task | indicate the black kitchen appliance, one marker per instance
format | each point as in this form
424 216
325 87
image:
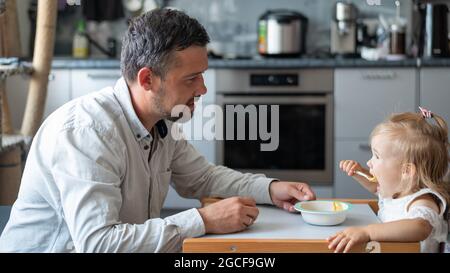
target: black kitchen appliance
295 105
433 37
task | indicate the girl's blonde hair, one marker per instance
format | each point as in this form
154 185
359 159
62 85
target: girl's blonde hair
423 144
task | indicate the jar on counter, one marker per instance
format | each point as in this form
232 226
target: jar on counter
397 39
80 46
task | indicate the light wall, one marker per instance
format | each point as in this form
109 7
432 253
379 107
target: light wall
24 24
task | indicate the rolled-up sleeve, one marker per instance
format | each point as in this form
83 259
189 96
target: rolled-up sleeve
88 175
194 177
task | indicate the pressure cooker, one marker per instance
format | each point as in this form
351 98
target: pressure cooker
282 33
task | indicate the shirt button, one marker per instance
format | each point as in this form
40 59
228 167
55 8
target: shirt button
138 136
146 147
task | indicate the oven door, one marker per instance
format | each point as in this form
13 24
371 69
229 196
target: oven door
305 128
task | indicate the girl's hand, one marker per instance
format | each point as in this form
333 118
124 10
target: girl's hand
350 167
343 241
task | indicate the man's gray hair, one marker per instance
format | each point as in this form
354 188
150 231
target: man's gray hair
153 37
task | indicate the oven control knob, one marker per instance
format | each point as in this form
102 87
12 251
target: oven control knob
272 80
290 80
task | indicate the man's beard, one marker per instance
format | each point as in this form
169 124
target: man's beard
167 114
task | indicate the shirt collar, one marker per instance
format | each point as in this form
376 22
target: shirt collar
122 93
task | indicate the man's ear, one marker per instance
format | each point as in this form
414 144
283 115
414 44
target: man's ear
409 170
145 78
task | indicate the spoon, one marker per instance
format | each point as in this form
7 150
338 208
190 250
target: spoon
370 178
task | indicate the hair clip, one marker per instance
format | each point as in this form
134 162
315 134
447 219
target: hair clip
426 113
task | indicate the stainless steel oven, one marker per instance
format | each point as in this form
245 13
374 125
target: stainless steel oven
297 110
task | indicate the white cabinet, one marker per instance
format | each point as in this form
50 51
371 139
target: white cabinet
364 98
196 129
58 93
195 134
85 81
346 186
193 131
435 91
210 82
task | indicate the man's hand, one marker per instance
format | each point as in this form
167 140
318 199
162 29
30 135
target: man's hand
285 194
229 215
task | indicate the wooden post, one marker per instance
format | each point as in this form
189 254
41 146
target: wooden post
43 54
13 45
9 47
10 174
5 123
2 29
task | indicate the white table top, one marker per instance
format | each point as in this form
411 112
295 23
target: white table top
274 223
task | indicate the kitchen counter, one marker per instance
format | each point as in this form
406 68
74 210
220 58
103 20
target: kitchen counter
69 63
308 63
260 63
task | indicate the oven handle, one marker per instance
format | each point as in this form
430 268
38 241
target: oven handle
273 100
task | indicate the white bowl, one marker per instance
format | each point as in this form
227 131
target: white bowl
323 212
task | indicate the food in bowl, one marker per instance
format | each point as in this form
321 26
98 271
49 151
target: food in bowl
323 212
337 206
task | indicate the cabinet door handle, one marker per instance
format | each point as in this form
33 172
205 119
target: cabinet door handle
103 76
365 147
51 77
389 75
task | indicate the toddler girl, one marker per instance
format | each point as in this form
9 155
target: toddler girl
409 161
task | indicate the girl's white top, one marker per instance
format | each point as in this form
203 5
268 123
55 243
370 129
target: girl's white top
398 209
